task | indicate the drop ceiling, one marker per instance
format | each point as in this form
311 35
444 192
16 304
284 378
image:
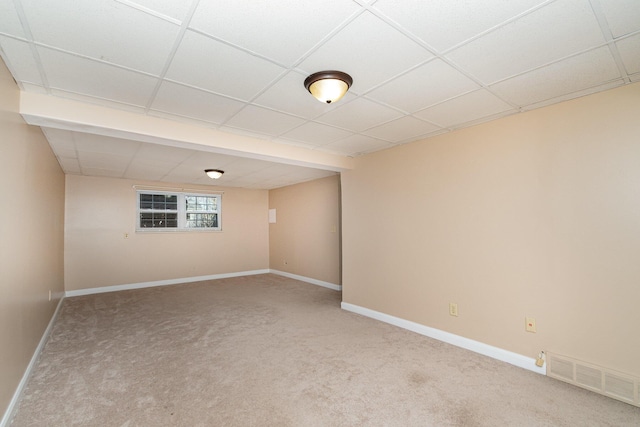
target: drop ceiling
420 68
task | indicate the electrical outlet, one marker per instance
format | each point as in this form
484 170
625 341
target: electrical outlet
453 309
126 235
530 324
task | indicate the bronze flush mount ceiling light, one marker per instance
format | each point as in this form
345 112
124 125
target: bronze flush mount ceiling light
213 173
328 86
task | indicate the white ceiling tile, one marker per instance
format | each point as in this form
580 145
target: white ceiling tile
248 133
91 143
248 176
268 173
402 129
295 143
61 142
193 103
20 61
70 166
159 172
245 132
245 166
192 169
290 96
205 180
88 99
316 134
369 51
147 172
171 8
293 27
564 77
623 16
445 23
275 181
91 78
105 30
629 49
211 160
10 23
263 120
150 154
546 35
253 182
113 173
277 169
466 108
359 114
355 145
182 119
113 162
269 184
209 64
61 137
426 85
584 92
182 174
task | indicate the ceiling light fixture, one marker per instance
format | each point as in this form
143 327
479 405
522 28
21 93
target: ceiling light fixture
213 173
328 86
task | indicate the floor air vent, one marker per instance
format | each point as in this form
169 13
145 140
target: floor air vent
595 378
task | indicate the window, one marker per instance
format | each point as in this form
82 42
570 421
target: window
158 210
162 211
202 211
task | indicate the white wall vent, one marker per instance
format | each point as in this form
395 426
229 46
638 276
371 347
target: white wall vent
595 378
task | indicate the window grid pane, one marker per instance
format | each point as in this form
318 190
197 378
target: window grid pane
178 211
159 202
146 201
158 210
202 220
158 220
201 203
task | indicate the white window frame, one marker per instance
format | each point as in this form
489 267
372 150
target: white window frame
181 212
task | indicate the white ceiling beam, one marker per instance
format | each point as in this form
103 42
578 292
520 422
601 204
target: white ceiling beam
48 111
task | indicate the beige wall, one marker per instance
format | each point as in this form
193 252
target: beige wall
100 211
305 240
537 214
31 238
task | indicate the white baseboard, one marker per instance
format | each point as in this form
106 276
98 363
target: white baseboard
8 415
142 285
308 280
466 343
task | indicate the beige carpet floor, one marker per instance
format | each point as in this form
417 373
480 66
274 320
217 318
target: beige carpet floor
270 351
